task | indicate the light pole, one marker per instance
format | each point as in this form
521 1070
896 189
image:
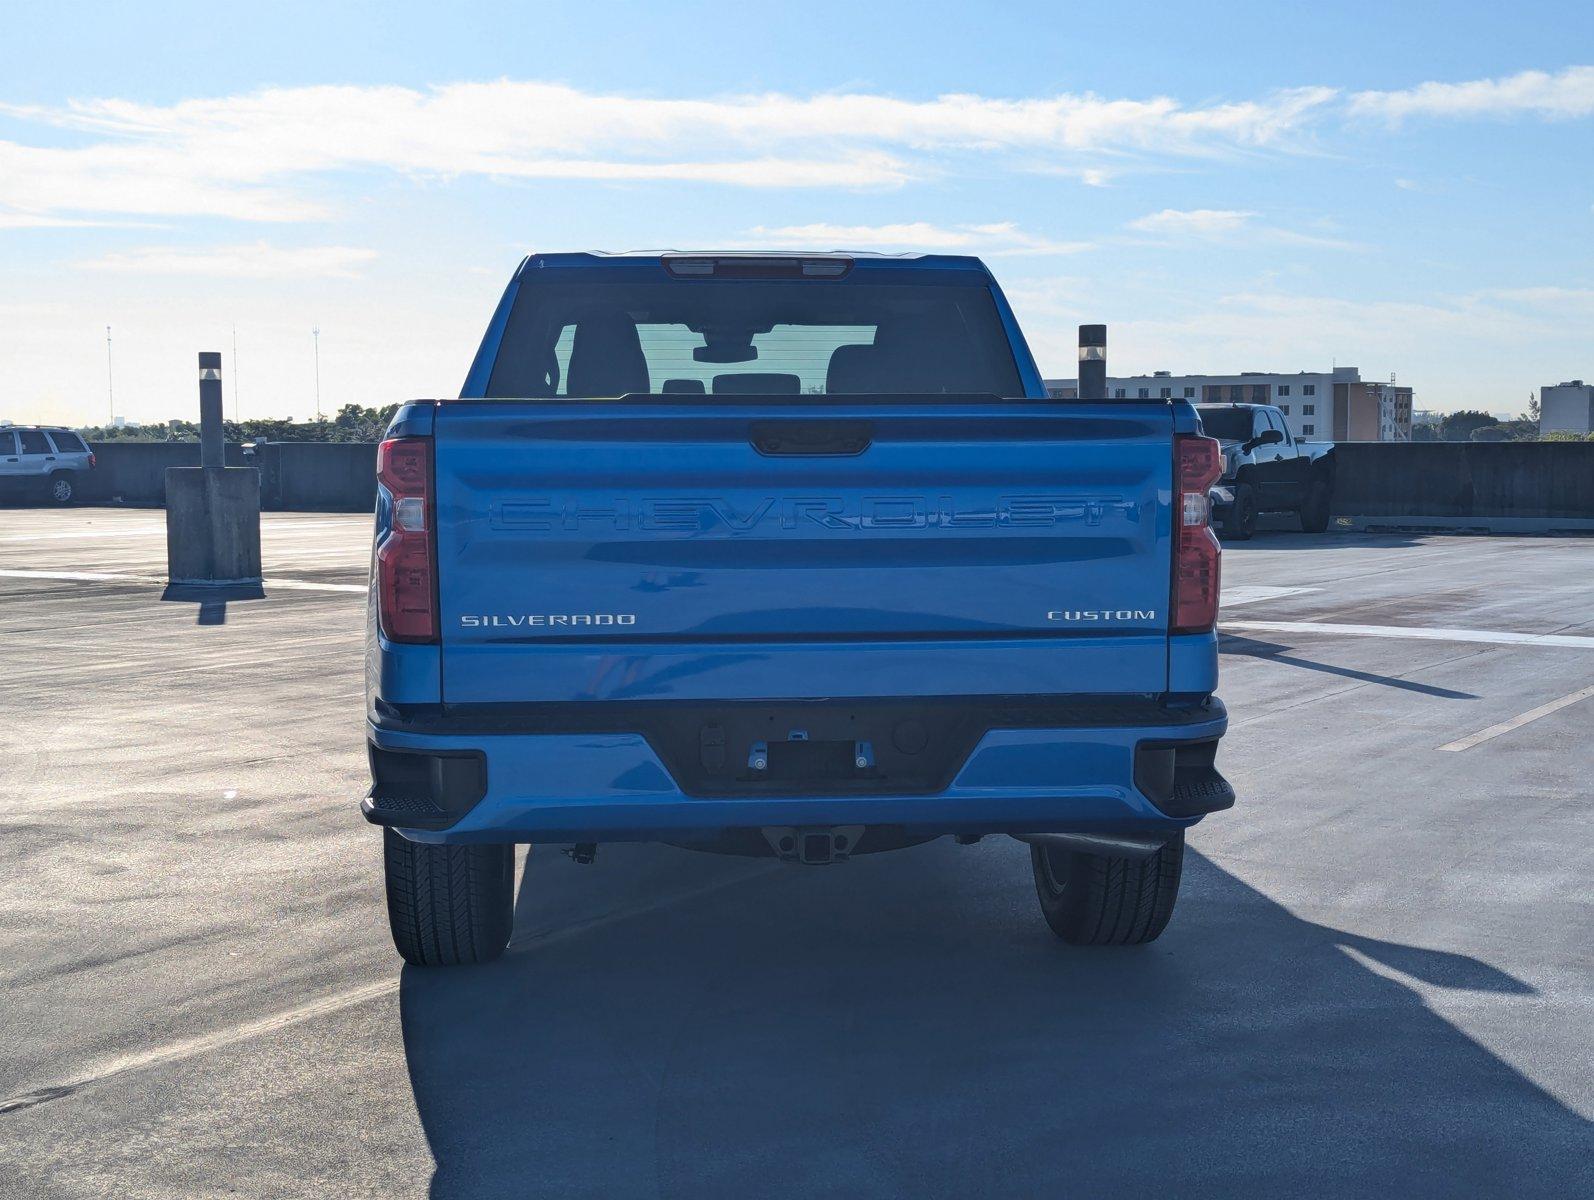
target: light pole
235 373
316 334
110 379
1092 362
212 443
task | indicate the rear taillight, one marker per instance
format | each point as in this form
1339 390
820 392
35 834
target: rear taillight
93 462
1197 465
406 574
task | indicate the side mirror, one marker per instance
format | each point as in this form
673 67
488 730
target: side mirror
1268 437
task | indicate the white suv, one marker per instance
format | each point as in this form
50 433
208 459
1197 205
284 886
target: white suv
41 460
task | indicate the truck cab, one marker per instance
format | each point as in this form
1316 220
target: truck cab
789 556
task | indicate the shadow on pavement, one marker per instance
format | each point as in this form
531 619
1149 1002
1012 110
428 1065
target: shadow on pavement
211 598
1280 531
905 1025
1229 643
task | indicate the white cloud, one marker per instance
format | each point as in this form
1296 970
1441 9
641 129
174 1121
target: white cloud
1549 298
31 220
481 126
1201 222
257 260
1296 237
1227 224
245 157
1568 93
164 179
252 156
1000 238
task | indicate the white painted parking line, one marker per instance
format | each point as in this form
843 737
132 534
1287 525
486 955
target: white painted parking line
222 653
294 529
80 576
1244 593
189 1047
120 531
314 585
291 585
1488 637
1533 714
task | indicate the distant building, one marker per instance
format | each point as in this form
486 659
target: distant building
1374 412
1567 408
1336 405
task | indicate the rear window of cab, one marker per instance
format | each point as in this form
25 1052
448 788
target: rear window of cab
745 336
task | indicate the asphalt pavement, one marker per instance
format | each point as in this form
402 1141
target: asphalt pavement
1379 979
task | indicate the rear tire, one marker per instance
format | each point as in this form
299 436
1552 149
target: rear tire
1240 523
1314 509
448 905
59 488
1100 900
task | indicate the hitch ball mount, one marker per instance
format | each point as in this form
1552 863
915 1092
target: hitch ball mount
813 845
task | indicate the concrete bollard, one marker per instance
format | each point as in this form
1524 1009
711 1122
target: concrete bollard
212 511
213 524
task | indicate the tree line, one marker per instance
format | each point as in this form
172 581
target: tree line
351 423
1472 425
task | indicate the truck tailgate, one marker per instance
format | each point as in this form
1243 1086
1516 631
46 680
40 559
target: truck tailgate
622 551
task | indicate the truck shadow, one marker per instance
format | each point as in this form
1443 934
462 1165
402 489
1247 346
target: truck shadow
686 1026
1245 647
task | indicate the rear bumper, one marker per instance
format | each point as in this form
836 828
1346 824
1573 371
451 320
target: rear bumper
1116 767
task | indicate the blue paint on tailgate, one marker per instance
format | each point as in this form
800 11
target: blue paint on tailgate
597 552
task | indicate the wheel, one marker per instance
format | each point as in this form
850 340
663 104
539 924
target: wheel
448 904
1240 523
61 487
1314 509
1099 900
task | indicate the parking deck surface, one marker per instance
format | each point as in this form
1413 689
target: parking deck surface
1379 980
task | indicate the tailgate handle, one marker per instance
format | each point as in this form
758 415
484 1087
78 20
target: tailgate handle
783 438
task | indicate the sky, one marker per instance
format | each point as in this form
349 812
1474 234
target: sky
1405 188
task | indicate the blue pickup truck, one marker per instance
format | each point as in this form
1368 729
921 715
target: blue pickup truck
785 555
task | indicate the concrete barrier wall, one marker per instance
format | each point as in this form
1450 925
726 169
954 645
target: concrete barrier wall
1376 479
304 476
1465 479
135 472
317 476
